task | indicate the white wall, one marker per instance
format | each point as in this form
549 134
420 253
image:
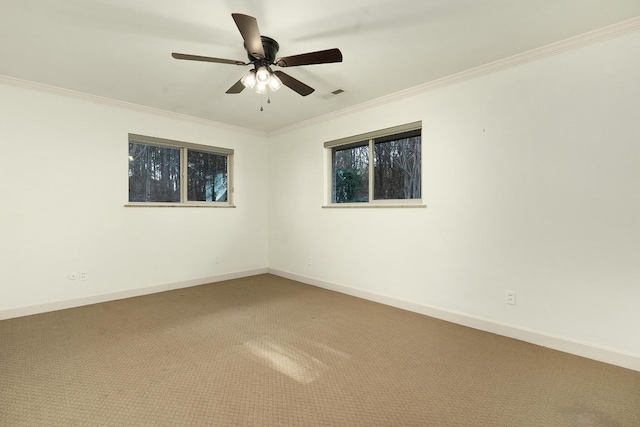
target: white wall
532 182
63 192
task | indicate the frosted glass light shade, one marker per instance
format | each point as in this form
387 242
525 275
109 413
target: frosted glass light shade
249 79
275 83
263 75
261 88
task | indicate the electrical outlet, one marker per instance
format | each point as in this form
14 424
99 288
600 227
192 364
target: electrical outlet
83 275
510 297
309 261
217 260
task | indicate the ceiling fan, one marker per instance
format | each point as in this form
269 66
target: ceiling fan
262 51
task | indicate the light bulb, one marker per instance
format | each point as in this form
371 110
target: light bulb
275 83
249 79
262 88
263 75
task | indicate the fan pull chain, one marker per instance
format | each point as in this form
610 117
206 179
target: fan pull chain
262 98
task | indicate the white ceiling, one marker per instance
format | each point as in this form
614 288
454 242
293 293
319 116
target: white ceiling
121 49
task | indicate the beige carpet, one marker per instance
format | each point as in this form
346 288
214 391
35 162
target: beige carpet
266 351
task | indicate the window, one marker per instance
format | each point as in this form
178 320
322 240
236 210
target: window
394 179
169 173
351 173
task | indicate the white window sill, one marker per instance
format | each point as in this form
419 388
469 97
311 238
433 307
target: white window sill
178 205
373 205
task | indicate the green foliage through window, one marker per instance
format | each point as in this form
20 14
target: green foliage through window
351 180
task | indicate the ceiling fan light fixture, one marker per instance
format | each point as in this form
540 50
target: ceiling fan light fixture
263 75
249 79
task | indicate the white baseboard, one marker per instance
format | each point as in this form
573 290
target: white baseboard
130 293
556 342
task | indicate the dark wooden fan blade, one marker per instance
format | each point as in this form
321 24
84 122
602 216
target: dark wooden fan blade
320 57
248 27
207 59
294 84
236 88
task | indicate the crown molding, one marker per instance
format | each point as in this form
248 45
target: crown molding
572 43
67 93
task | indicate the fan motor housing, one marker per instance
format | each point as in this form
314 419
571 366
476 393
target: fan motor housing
271 48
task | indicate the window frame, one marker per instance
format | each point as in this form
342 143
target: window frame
184 148
370 139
